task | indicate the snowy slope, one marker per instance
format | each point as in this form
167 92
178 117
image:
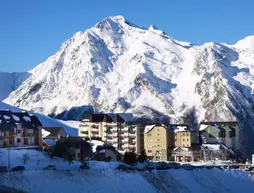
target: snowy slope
10 82
45 120
117 66
114 181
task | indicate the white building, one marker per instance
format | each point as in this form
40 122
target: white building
116 129
19 129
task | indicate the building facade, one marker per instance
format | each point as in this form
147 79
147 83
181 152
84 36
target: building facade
158 141
118 130
185 136
187 154
226 133
19 129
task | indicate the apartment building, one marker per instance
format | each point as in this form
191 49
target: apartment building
19 129
120 130
158 140
226 133
184 135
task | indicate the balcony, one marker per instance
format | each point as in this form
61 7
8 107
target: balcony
125 140
84 132
117 134
133 142
132 130
125 129
95 126
126 134
127 146
95 131
132 135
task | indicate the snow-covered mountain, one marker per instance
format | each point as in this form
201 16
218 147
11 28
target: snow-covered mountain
117 66
10 82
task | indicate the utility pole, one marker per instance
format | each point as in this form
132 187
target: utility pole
9 156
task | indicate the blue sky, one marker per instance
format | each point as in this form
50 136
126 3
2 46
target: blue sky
33 30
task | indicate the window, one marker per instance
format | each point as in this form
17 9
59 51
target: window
19 140
158 139
158 134
149 151
19 131
78 155
158 145
222 133
232 133
187 139
183 139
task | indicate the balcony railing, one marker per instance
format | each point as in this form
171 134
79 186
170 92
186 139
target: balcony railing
84 132
126 140
95 126
95 132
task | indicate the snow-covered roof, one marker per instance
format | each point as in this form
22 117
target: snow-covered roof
183 128
148 128
16 118
6 117
127 116
27 118
50 142
44 133
102 151
204 126
96 143
183 148
213 147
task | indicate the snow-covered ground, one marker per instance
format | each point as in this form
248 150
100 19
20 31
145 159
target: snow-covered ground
104 177
34 160
112 180
37 160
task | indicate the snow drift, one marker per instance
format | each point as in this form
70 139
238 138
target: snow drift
109 180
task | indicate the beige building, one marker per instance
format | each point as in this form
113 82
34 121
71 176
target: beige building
185 136
158 141
186 142
116 129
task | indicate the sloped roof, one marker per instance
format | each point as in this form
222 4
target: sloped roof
6 121
53 131
9 119
51 142
148 128
110 117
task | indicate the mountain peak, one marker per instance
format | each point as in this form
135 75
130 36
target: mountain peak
247 42
153 27
115 23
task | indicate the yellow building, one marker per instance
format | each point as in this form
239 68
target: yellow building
186 142
185 136
157 142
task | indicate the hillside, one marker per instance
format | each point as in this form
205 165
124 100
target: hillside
114 181
10 82
117 66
